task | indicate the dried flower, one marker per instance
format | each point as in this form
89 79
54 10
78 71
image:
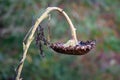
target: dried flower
80 49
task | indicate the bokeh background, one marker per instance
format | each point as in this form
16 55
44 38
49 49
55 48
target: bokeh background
93 19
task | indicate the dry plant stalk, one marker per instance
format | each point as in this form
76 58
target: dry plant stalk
32 32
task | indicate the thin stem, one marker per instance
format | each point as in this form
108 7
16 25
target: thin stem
30 37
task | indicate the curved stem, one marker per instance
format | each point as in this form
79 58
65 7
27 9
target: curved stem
73 30
30 37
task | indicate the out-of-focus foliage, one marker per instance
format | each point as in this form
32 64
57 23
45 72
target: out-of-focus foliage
93 19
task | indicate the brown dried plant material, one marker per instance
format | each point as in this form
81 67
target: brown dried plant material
69 48
80 49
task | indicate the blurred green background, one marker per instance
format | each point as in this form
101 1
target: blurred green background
93 19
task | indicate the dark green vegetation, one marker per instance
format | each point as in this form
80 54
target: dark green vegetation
94 19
